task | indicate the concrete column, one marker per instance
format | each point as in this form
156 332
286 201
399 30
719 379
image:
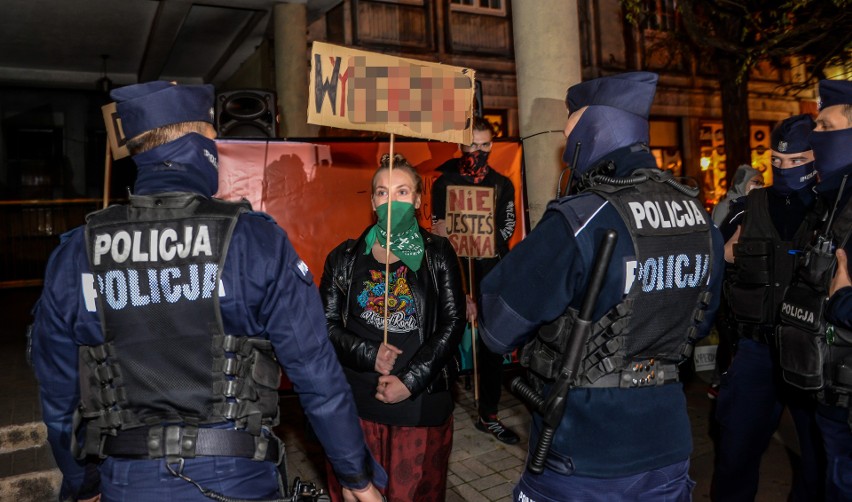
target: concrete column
291 69
547 58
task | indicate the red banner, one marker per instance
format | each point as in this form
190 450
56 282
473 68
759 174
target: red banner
320 193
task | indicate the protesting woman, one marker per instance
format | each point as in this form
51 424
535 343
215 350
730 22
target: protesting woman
402 384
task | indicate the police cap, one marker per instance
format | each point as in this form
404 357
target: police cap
147 106
791 135
834 92
632 92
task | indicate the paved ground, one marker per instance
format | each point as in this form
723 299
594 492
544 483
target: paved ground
481 468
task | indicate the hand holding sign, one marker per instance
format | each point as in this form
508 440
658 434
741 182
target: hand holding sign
386 358
471 310
841 275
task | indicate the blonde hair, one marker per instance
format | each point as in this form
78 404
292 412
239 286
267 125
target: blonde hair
399 162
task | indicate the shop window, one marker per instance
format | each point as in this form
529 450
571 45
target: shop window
712 161
665 145
409 2
490 7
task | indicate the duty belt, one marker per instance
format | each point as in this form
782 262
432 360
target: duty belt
188 442
647 373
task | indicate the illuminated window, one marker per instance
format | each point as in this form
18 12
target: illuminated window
662 15
412 2
492 7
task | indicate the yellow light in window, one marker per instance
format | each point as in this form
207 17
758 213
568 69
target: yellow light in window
705 163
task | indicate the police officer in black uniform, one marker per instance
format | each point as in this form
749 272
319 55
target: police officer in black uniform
771 229
163 326
815 339
625 434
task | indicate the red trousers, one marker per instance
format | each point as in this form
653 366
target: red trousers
415 458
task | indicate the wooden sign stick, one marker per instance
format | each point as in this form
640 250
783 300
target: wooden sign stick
107 173
473 334
387 242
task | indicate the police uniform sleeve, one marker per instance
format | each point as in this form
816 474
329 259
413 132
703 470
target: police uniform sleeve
717 274
531 286
733 219
291 314
54 356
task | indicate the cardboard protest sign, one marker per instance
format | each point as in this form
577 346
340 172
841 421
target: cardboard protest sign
470 220
353 89
115 135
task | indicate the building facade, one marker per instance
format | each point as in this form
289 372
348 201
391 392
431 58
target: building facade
686 119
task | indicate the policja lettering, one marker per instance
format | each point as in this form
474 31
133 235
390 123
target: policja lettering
797 312
673 271
122 287
684 213
161 246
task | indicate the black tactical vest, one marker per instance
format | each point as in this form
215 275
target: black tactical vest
657 322
157 265
763 265
815 355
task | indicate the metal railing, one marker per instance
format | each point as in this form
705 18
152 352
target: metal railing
29 232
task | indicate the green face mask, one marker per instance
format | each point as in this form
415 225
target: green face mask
402 216
406 241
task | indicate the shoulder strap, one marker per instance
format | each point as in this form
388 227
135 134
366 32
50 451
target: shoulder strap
804 233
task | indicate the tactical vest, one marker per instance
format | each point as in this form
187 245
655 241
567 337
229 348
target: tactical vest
815 355
764 266
640 341
165 359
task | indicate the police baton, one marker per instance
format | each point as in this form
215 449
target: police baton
553 407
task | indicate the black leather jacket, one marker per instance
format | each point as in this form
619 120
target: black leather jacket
440 330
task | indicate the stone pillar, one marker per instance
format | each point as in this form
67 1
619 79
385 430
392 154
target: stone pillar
291 69
547 58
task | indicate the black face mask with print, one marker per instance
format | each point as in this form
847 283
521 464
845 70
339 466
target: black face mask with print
474 165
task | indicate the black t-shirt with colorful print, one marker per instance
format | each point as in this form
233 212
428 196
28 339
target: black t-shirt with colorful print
366 319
